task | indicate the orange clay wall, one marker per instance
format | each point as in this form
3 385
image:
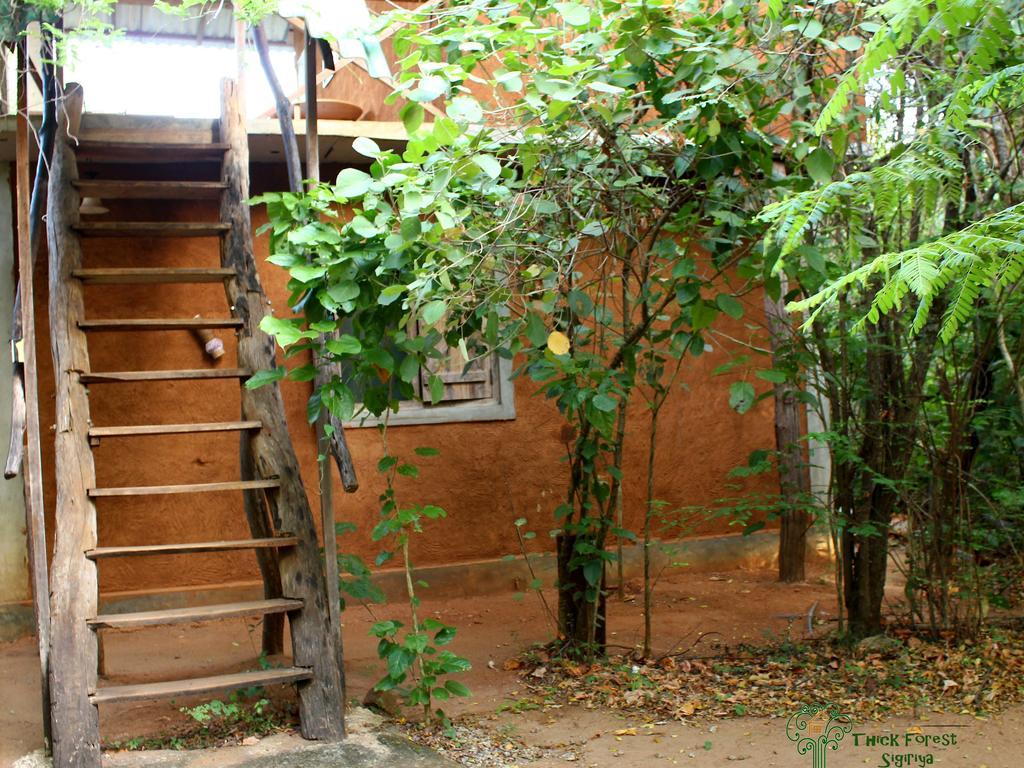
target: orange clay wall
488 474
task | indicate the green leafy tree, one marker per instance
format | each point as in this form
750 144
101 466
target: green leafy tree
913 197
585 203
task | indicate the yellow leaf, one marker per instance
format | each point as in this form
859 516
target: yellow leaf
626 732
558 343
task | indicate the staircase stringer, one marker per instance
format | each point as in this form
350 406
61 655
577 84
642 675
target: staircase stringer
73 577
314 645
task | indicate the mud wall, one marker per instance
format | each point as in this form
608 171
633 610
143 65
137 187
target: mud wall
488 474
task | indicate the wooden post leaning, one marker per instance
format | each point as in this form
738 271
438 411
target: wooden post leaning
321 702
74 598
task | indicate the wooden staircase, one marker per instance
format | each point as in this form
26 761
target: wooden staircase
268 456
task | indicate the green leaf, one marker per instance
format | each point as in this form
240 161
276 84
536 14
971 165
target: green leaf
536 333
730 305
430 87
379 357
812 28
307 273
285 332
488 164
411 227
592 571
366 146
434 311
305 372
445 131
742 396
850 43
409 369
363 227
603 87
342 292
775 377
426 451
455 688
390 294
702 314
436 389
820 164
466 109
260 378
604 403
344 345
352 183
575 14
412 116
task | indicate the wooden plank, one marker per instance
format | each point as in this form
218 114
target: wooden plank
160 324
163 490
148 152
321 701
75 590
198 686
151 228
190 548
32 471
194 613
151 190
147 276
107 377
173 429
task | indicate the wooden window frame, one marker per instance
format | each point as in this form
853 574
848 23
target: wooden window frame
500 406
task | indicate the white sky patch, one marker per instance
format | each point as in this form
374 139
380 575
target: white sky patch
176 79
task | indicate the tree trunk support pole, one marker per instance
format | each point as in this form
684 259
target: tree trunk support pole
794 479
323 441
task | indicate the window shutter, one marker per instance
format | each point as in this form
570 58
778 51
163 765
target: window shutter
461 382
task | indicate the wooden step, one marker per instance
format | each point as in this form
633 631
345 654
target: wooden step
199 685
151 228
146 276
151 190
174 429
192 547
195 613
163 490
149 152
169 324
106 377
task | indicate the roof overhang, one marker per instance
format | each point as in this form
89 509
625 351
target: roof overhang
139 20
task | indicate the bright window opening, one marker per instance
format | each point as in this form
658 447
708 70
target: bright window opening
166 78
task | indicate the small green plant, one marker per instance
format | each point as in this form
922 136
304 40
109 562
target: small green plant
415 660
246 711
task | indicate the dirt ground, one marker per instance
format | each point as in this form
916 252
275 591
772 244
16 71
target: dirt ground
729 608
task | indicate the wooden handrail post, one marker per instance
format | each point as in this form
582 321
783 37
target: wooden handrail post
24 352
73 647
314 645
